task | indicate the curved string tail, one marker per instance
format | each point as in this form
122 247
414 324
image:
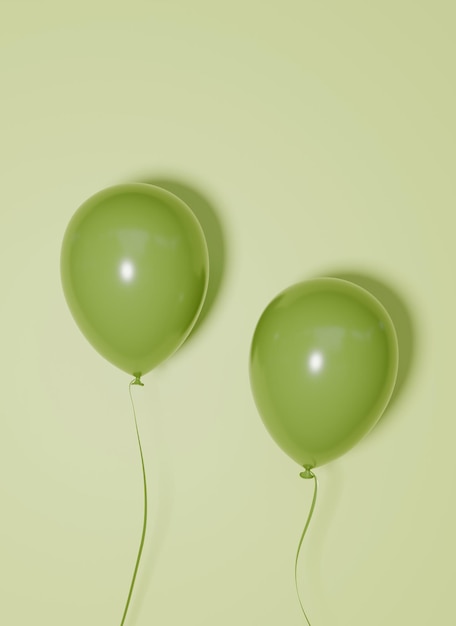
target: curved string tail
137 381
306 474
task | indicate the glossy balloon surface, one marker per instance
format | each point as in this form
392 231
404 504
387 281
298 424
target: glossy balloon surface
134 271
323 365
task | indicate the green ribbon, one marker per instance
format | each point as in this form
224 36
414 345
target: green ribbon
310 475
137 381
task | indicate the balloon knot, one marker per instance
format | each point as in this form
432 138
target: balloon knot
307 473
137 380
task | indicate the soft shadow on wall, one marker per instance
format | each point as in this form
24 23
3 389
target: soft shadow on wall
403 323
206 213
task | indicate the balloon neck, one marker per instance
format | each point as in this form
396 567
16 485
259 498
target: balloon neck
137 380
307 473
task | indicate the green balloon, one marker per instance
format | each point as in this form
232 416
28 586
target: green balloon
134 269
323 365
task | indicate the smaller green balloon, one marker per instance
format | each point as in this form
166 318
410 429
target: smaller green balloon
134 269
323 366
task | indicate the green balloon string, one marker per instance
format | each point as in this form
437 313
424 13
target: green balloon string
137 381
307 474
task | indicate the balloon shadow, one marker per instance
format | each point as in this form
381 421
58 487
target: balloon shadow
207 216
402 320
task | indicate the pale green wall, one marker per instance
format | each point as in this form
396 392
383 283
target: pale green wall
316 138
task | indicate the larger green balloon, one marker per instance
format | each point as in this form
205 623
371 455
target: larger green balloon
323 366
134 268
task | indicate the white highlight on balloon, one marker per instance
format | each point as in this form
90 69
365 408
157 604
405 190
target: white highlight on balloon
315 361
127 270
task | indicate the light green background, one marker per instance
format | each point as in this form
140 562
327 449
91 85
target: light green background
322 135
